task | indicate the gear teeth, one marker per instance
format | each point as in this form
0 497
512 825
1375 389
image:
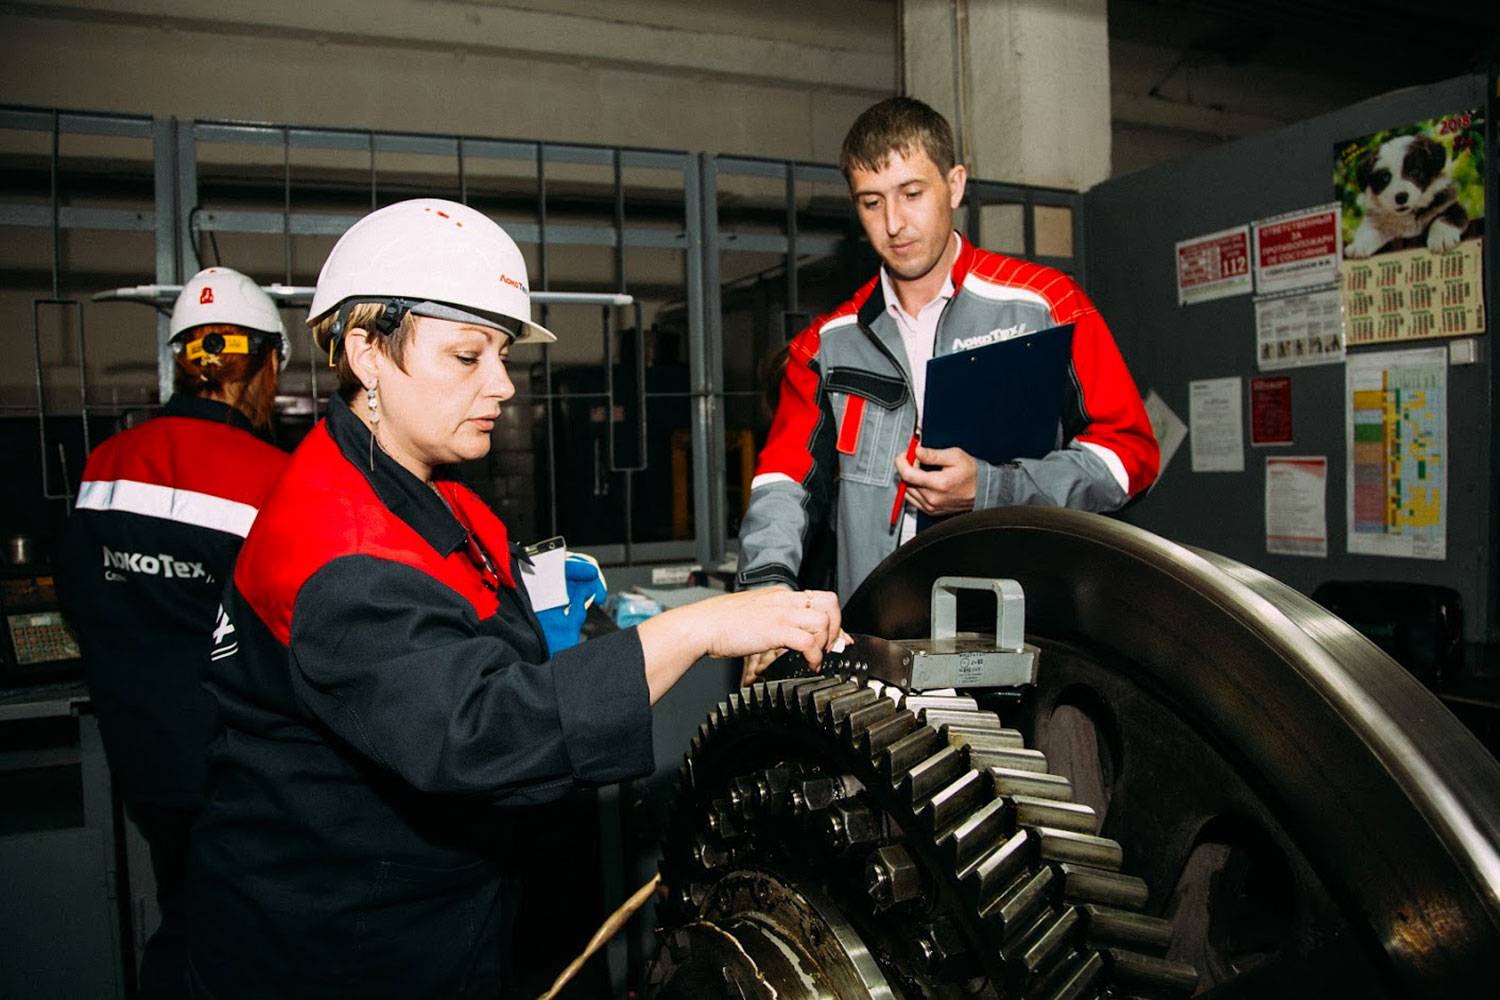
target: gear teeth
885 733
1072 816
1049 940
1010 781
801 699
981 737
1083 848
1020 903
784 697
915 703
996 869
905 753
838 709
1085 884
1020 759
950 804
1108 926
1075 979
940 717
967 842
861 719
814 702
926 778
1043 891
1137 971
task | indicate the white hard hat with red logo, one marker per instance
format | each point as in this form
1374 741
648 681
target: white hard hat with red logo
434 258
223 296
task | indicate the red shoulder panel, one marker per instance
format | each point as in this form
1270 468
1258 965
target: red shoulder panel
186 453
797 414
1060 292
321 509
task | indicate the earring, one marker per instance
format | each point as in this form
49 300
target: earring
373 402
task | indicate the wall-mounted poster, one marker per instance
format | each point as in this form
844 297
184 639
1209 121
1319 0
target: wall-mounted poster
1271 410
1396 435
1302 328
1297 250
1412 200
1420 185
1213 266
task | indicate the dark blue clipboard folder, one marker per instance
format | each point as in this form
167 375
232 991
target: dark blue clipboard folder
998 402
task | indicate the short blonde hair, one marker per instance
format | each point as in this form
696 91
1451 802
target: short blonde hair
365 316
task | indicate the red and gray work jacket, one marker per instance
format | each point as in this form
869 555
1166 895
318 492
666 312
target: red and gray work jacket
847 408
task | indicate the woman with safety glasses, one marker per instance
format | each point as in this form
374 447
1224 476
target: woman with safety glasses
161 514
385 688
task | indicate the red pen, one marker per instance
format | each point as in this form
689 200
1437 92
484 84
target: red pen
911 456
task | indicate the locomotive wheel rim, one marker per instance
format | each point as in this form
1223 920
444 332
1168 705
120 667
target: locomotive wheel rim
1394 804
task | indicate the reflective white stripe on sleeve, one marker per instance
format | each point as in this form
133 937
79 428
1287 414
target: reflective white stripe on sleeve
1116 467
202 509
766 478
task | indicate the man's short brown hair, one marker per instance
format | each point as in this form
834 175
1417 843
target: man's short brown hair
897 125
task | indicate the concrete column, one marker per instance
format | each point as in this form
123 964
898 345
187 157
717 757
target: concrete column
1024 82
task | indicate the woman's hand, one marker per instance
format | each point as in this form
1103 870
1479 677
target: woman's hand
756 663
736 625
758 620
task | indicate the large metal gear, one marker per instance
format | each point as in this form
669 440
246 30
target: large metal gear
836 839
1307 817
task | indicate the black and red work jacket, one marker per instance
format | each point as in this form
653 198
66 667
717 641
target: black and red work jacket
162 511
385 692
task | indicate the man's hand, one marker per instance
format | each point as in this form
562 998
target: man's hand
947 489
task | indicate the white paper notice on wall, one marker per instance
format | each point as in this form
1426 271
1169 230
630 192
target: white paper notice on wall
1166 425
1297 505
1216 424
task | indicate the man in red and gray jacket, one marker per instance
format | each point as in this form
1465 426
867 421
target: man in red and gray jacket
851 397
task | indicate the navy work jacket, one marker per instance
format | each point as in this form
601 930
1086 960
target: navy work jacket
385 693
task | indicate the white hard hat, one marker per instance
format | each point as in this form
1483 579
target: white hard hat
222 295
434 258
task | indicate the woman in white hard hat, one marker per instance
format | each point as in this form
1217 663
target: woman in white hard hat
384 686
161 514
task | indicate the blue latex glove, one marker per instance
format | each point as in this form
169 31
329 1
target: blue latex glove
585 580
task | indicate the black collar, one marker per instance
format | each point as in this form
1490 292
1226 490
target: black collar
874 305
184 405
404 494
